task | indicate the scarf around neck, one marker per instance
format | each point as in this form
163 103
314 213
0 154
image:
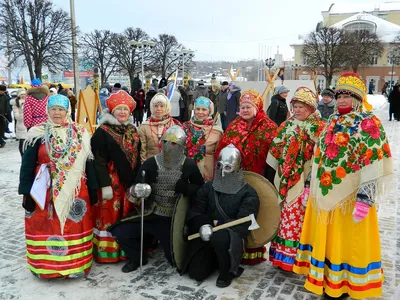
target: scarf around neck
197 135
290 155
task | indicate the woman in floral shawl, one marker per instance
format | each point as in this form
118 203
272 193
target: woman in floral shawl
203 136
339 248
290 154
115 146
151 131
252 133
58 220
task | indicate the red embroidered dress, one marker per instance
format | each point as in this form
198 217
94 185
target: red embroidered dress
116 151
290 154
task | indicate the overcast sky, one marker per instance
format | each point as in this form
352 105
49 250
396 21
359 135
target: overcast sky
216 29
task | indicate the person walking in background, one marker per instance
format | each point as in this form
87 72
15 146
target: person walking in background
200 91
384 89
371 87
232 104
61 90
149 95
4 114
137 83
35 104
278 110
394 103
221 103
53 91
103 97
184 105
117 86
140 103
163 83
326 106
18 111
73 101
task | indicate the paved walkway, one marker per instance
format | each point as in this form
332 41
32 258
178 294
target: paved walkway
160 281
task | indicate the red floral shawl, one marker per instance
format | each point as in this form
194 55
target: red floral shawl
291 152
252 140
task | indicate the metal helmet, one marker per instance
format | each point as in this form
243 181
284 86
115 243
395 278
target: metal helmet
229 160
175 134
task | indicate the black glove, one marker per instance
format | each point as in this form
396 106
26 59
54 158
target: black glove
28 203
93 196
181 186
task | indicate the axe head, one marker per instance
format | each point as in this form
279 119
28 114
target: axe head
254 225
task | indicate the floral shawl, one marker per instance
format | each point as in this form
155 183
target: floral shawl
352 150
197 134
68 147
290 155
253 140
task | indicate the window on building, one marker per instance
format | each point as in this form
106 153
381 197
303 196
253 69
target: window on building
374 60
358 26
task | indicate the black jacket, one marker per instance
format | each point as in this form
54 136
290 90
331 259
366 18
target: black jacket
203 211
278 109
150 94
106 149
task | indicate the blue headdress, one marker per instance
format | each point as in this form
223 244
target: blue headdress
58 101
203 102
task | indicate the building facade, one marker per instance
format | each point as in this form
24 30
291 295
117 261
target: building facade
383 19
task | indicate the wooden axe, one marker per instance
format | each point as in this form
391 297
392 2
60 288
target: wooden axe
250 218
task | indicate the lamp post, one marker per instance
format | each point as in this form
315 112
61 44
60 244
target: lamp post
394 60
74 48
143 45
269 62
183 54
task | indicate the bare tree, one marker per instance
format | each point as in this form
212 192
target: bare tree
325 49
96 48
128 58
38 33
165 59
363 47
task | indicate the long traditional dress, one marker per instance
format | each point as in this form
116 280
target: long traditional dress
150 133
290 154
253 141
202 140
116 150
337 254
59 237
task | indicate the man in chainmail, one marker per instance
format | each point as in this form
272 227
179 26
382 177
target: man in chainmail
169 174
222 200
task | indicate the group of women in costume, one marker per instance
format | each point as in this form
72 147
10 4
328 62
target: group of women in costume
326 175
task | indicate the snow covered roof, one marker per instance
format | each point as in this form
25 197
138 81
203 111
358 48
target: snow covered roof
387 31
348 8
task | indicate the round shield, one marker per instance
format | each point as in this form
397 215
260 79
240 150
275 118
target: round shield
178 240
269 213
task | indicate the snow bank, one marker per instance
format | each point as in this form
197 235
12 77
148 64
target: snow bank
377 101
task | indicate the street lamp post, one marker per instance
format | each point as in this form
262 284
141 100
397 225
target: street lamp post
143 46
269 62
183 54
74 49
394 59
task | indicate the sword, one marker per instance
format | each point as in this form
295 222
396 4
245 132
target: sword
141 225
